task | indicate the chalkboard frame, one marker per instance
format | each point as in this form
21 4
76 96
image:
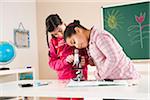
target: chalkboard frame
123 4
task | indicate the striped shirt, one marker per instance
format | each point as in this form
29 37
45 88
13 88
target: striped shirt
110 60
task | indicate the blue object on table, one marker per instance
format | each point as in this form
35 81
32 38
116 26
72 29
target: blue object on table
26 76
7 52
41 83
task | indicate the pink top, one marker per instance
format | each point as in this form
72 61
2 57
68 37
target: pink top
110 60
59 50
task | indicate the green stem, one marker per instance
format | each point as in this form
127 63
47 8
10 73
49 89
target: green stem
141 38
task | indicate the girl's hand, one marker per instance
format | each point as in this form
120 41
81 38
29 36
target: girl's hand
96 74
70 59
82 61
91 62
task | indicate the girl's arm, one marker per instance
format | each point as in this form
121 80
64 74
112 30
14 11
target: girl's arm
55 62
107 46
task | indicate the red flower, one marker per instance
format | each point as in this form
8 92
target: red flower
139 19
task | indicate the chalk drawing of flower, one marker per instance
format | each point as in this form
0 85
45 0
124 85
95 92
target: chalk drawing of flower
140 19
134 29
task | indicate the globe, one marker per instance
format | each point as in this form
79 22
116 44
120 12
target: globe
7 52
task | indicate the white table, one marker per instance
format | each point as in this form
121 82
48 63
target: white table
58 89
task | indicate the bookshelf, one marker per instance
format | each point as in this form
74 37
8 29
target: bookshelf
19 72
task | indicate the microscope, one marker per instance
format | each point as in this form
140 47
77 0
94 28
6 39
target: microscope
77 66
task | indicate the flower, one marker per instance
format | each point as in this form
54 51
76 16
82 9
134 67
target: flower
139 19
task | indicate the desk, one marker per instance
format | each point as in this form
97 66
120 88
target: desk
58 89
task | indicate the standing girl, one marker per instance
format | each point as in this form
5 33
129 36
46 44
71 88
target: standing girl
60 54
110 60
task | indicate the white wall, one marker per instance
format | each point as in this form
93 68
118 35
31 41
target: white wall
12 12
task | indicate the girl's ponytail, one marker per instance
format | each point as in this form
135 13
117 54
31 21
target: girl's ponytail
47 38
77 22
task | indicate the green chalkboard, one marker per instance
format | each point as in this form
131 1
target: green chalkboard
130 25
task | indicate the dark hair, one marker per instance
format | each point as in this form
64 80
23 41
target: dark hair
69 31
52 22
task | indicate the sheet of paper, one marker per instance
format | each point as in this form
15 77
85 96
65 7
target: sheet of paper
96 83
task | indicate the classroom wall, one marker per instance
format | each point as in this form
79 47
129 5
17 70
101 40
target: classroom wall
12 12
88 12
